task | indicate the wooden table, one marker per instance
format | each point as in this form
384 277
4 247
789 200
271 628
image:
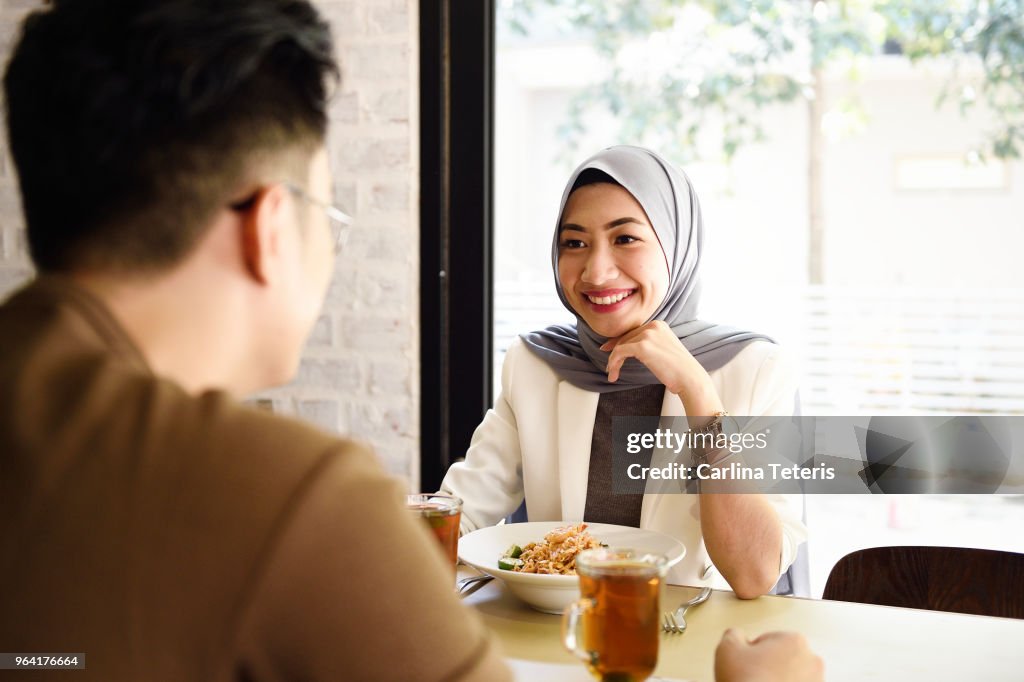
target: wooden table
857 641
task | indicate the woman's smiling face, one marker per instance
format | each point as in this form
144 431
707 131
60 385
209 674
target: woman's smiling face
610 262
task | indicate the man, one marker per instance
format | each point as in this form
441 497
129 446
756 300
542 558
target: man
171 162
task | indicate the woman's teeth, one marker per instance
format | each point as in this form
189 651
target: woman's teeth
608 300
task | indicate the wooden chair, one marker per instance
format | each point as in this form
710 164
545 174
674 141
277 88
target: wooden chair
977 581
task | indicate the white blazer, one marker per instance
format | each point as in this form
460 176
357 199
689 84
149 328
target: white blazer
535 442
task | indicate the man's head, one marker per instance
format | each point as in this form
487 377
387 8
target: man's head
132 121
137 125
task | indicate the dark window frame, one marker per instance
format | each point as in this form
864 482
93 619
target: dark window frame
456 227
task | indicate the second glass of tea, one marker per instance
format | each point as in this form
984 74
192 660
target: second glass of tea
618 613
442 513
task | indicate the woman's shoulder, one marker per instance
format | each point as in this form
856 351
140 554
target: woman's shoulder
520 360
519 353
759 376
757 357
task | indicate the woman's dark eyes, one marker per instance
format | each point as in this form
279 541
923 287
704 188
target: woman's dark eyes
579 243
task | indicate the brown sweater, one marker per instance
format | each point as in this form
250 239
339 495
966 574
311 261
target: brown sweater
172 537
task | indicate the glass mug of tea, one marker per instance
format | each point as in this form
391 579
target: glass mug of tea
442 514
618 612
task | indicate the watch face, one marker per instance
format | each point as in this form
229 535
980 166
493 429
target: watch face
729 424
716 428
717 425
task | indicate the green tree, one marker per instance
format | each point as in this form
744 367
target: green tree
673 66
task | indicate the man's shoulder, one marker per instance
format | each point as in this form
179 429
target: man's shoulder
224 422
70 387
241 443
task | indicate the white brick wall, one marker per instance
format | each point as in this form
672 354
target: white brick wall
14 263
359 373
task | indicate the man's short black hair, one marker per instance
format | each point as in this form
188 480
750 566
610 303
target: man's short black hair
132 121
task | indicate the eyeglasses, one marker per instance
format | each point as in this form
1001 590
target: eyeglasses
341 222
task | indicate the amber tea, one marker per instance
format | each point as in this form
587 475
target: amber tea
442 513
618 614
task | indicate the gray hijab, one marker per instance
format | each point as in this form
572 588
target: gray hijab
668 198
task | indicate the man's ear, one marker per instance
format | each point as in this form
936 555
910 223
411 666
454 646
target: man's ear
262 223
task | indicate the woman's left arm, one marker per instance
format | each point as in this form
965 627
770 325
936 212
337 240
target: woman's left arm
742 532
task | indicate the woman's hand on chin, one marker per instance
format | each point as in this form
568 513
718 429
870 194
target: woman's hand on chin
657 347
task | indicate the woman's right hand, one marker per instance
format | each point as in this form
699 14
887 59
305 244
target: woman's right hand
771 657
656 346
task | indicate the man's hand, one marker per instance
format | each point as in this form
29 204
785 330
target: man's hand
772 657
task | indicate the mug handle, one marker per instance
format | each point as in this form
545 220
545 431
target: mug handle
570 627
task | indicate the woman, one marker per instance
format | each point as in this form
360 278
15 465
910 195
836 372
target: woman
626 255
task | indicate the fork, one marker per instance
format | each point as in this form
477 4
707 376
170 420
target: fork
669 622
468 586
675 626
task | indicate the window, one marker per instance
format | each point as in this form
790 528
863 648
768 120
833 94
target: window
870 230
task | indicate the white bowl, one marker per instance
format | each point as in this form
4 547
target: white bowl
552 593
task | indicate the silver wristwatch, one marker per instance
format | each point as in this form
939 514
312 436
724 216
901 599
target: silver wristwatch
714 428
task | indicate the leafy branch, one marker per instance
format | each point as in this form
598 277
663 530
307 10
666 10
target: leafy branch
674 66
